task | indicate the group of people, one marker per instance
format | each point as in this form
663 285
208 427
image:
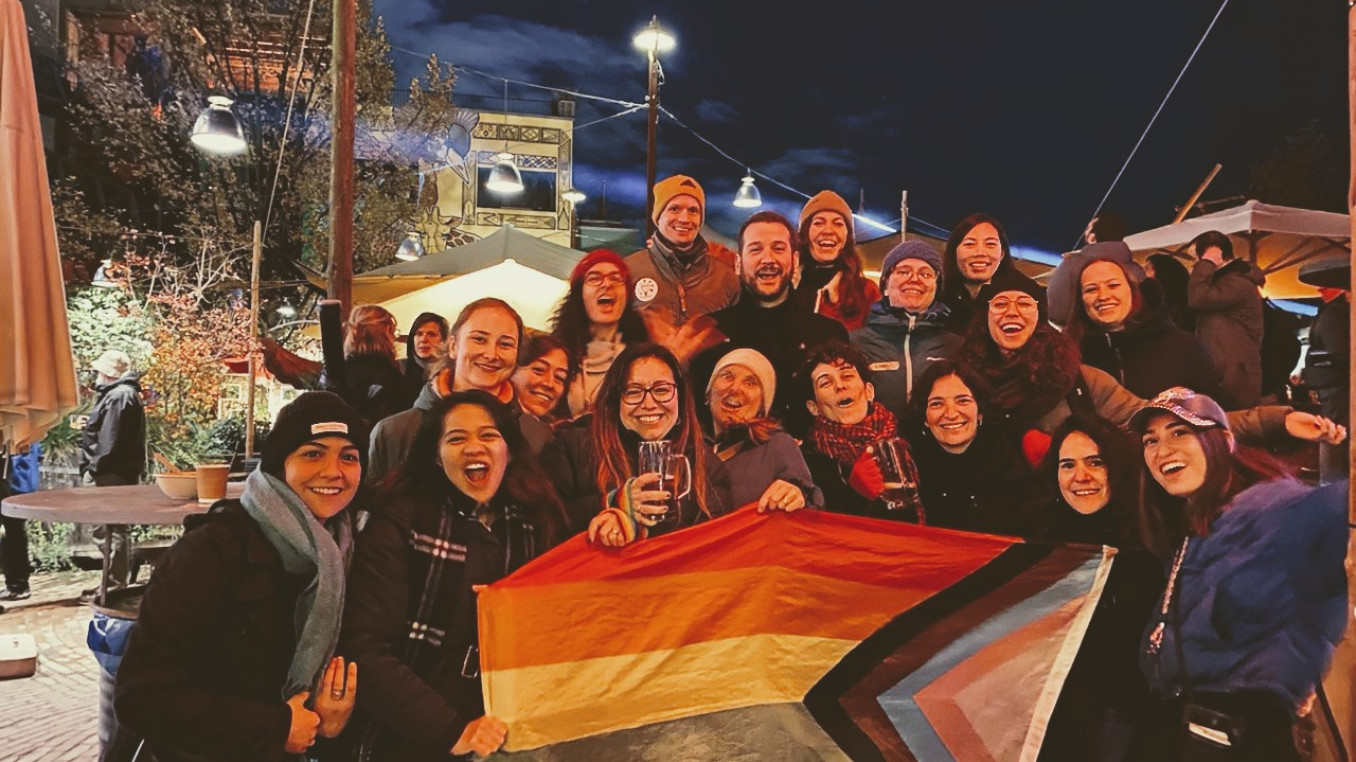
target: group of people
685 381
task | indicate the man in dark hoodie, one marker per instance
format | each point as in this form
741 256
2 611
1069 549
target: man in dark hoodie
424 346
113 446
1223 291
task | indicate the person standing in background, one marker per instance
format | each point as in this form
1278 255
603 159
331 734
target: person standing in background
20 476
113 448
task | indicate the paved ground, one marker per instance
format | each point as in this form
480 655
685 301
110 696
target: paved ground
53 715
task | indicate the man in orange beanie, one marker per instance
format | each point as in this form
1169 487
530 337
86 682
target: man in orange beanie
676 277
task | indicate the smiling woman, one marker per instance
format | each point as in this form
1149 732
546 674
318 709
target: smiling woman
644 398
595 322
207 668
1256 598
470 507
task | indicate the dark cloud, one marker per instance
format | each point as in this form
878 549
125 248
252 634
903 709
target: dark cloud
716 111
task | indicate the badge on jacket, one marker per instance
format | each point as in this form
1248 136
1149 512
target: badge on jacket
646 289
881 367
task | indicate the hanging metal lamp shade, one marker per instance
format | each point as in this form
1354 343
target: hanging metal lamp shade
217 130
505 179
748 197
411 248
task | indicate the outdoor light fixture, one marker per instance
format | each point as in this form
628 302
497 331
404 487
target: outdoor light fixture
748 197
217 130
101 278
573 196
505 178
411 248
286 309
654 38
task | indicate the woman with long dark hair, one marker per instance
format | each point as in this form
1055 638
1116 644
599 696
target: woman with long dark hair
1036 380
1093 466
832 282
231 655
976 252
1256 598
469 507
595 322
644 397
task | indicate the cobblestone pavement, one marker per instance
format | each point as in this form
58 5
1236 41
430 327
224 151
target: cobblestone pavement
52 716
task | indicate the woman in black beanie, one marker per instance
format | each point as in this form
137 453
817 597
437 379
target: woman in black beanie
232 656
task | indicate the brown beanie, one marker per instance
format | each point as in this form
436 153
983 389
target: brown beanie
825 201
678 185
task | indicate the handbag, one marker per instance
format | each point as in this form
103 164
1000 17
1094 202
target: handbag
1203 733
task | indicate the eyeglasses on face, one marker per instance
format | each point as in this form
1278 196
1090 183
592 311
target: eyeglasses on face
1025 305
661 392
923 273
597 279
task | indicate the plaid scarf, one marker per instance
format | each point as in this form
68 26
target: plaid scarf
845 443
440 541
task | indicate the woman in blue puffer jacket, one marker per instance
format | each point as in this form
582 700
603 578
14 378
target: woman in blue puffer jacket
1256 599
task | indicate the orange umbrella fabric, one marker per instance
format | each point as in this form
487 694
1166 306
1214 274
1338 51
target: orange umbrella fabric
37 371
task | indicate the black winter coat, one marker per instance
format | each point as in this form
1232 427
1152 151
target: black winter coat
374 386
418 695
988 488
205 665
113 446
1152 354
785 335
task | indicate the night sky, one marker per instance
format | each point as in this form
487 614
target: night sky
1023 110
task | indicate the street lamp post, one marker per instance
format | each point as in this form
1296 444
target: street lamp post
653 40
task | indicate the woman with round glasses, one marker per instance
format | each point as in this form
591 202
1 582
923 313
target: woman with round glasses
1036 380
644 398
595 322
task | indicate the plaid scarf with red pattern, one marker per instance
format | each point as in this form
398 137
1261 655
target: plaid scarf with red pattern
845 443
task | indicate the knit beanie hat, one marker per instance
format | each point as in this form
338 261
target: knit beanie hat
1012 280
825 201
595 257
1112 251
911 250
112 363
311 416
756 362
678 185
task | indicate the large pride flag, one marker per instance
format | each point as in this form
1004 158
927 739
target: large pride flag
809 636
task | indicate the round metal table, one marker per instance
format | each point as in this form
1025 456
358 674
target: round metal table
134 504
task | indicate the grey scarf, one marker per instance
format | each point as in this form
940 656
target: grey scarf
306 547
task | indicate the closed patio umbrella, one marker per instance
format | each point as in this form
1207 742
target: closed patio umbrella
37 371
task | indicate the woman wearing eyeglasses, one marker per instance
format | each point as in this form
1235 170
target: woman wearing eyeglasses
644 398
1036 379
595 322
